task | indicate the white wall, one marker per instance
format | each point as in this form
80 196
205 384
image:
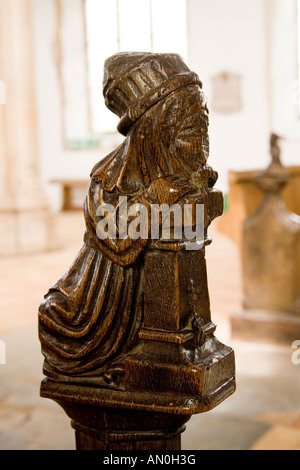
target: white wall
233 35
230 35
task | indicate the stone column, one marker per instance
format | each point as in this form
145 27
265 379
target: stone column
24 211
271 263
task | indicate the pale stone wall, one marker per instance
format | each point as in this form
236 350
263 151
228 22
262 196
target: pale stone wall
25 219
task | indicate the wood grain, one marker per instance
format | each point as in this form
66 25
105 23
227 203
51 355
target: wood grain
127 337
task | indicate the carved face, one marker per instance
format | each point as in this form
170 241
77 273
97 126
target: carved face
183 136
191 143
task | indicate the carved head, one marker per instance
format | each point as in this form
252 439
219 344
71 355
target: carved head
164 116
135 81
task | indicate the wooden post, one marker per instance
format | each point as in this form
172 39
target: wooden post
271 260
129 345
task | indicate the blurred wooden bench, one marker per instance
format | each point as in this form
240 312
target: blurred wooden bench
68 189
244 198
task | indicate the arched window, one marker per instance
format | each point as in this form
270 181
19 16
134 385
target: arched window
90 31
128 25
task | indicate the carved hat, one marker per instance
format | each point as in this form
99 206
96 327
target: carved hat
135 81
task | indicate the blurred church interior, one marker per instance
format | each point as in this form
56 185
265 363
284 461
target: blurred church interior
54 128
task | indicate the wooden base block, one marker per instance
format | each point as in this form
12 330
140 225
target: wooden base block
206 373
87 440
110 420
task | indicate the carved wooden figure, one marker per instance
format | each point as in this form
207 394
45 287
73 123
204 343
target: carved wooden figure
128 342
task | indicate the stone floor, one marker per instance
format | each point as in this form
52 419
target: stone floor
263 414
